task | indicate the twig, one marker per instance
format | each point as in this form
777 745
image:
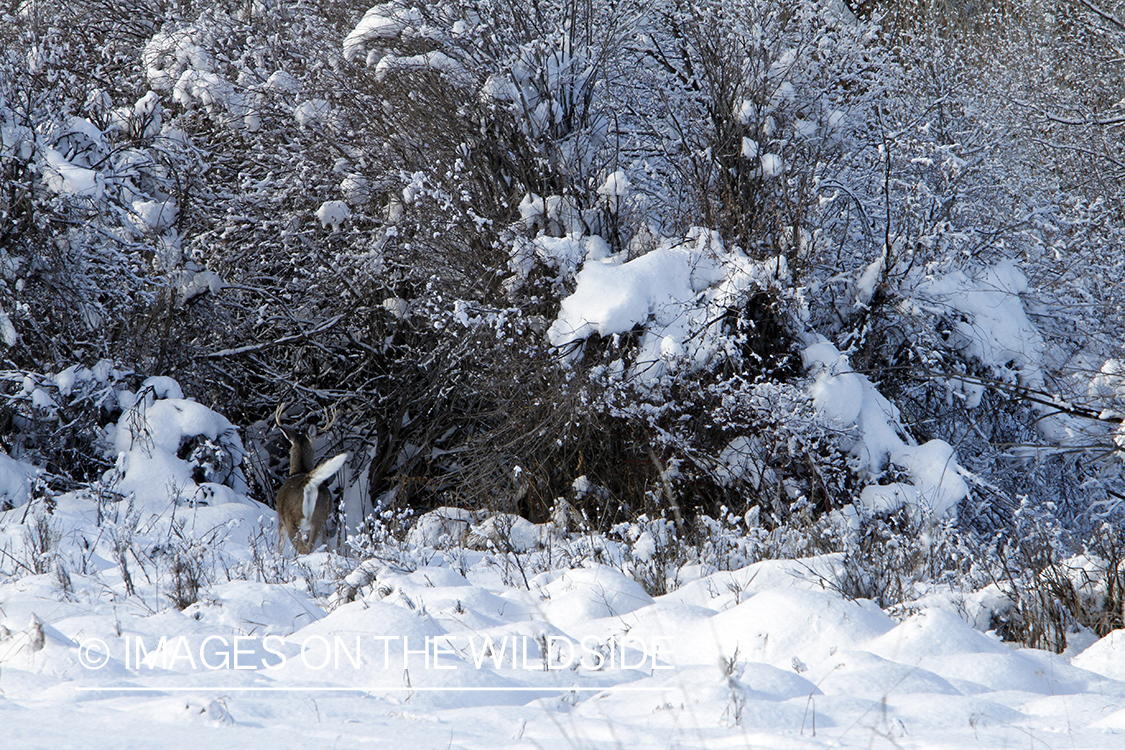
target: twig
276 342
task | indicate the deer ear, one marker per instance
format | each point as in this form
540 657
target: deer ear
312 432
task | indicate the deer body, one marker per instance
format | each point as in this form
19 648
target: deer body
303 503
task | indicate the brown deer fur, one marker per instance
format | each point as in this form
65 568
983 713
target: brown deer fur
303 502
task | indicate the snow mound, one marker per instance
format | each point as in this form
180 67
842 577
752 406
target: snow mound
864 674
255 608
577 597
975 662
1106 656
175 449
777 626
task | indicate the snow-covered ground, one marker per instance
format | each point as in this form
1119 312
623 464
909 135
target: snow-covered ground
446 646
760 657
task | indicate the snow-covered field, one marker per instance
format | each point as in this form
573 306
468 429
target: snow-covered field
459 647
760 657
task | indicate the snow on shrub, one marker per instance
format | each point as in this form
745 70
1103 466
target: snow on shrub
312 113
992 326
155 216
383 21
849 400
677 293
16 479
615 188
333 214
62 177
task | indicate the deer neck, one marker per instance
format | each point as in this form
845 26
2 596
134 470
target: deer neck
302 457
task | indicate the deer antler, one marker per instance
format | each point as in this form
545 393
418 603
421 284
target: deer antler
330 416
277 414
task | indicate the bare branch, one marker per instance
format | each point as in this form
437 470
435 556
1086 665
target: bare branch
1104 15
327 325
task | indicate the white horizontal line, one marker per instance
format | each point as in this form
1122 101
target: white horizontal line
371 689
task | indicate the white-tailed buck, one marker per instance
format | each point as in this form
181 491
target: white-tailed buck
303 502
